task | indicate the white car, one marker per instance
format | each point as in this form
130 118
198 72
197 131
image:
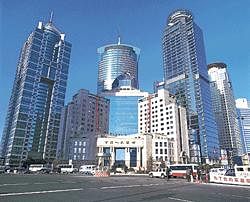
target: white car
161 172
87 169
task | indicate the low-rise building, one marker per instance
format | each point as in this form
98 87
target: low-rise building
140 150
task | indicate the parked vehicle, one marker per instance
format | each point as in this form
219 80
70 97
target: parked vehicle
230 172
67 168
218 171
34 168
179 170
242 171
87 169
160 172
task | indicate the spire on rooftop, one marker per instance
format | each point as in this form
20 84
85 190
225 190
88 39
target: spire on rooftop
51 16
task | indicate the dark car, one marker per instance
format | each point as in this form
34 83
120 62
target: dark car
230 172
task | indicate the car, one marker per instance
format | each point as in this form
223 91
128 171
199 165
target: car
230 172
160 172
218 171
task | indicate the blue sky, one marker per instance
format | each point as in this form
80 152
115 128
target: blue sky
89 24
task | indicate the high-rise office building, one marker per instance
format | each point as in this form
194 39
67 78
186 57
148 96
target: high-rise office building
159 113
32 122
123 115
82 120
115 60
243 109
185 73
223 103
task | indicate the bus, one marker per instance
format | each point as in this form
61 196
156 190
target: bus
66 168
179 170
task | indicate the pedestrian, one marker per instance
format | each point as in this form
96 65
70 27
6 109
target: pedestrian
167 173
188 172
198 175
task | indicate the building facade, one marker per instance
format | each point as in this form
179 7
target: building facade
123 115
82 120
243 110
138 150
159 114
223 103
114 60
32 122
185 74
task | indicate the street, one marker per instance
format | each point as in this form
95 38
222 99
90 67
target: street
119 188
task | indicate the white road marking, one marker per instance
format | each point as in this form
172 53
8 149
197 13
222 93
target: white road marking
240 196
16 184
228 185
129 186
40 192
179 199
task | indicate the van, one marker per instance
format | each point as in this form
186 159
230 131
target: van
87 169
67 168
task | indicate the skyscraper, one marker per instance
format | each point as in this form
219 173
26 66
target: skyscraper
223 103
115 60
185 73
82 120
32 122
123 115
243 109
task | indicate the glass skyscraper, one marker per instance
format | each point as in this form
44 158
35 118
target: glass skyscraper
186 76
243 110
115 60
32 122
223 103
123 114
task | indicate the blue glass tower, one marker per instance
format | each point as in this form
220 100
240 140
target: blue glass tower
115 60
243 110
186 76
32 122
123 114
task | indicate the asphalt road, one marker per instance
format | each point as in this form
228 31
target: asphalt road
95 189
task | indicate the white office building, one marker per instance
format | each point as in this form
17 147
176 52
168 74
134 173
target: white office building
159 114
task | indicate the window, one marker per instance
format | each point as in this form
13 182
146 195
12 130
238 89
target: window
156 144
75 143
156 151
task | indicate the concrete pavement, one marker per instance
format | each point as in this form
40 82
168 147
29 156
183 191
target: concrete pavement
82 188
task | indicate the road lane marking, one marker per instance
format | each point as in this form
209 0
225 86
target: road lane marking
240 196
128 186
40 192
16 184
179 199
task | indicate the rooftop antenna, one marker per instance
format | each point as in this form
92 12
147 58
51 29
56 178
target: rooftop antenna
51 16
119 39
119 36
